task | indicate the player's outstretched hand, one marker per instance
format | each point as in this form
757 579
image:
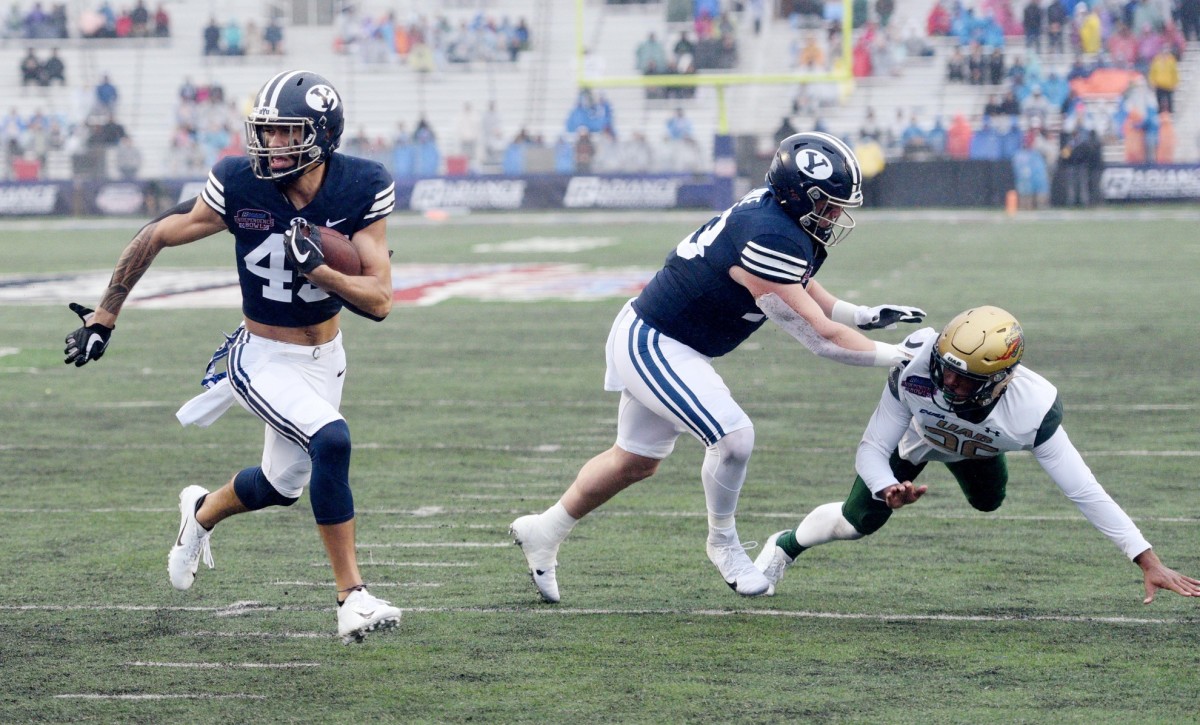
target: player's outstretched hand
89 341
885 317
902 494
1158 576
302 246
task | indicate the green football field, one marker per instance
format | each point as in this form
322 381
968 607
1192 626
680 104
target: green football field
480 404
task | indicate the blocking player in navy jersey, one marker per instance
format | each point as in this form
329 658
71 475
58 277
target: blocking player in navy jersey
964 400
753 262
285 363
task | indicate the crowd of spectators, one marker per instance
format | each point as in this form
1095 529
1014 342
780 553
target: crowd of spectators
710 44
38 21
1119 86
92 138
35 21
208 127
233 38
38 72
31 137
128 22
426 44
476 142
651 59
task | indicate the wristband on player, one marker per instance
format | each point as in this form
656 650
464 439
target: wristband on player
844 312
888 355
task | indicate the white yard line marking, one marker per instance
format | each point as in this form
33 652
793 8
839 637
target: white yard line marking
402 564
484 527
668 612
374 585
261 635
437 545
195 696
226 665
441 511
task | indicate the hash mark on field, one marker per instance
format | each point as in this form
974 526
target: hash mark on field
225 665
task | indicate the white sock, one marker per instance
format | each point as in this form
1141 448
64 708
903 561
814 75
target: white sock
723 473
557 521
823 524
723 535
720 522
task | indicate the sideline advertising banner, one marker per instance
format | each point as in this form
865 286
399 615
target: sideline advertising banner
1151 183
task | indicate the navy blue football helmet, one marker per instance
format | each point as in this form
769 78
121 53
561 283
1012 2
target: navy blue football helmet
816 178
306 108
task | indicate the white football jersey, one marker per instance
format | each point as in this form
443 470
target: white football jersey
1028 416
1026 408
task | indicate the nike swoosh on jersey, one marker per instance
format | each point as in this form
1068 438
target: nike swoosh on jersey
912 345
329 223
342 372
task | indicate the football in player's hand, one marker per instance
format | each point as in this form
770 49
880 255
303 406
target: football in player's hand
340 252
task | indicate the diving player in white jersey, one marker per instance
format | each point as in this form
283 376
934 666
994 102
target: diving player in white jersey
965 400
285 363
753 262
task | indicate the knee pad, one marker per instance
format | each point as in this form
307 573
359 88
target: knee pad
329 487
736 447
256 492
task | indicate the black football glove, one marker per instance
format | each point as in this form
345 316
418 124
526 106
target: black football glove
89 341
302 246
885 317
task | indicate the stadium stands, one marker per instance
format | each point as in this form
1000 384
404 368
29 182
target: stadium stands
535 92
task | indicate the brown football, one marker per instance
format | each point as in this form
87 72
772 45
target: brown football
340 252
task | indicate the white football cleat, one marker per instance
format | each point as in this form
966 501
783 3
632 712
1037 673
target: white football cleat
361 613
541 554
773 561
192 542
730 558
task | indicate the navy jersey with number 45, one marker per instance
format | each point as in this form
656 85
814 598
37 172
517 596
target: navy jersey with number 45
356 193
694 300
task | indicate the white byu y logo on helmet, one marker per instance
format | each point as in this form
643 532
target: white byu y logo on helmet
321 98
814 164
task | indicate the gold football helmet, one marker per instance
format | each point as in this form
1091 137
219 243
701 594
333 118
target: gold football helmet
980 348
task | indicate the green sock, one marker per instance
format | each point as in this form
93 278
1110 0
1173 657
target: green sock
788 543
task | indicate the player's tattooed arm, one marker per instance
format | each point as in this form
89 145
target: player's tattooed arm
134 262
181 224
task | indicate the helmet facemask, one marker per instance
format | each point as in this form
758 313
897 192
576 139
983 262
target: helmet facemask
829 221
985 390
302 147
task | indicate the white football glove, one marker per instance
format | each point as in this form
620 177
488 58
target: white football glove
885 317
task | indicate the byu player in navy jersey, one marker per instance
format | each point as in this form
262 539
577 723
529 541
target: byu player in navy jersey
753 262
964 400
285 363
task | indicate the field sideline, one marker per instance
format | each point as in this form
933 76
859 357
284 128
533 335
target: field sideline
477 401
